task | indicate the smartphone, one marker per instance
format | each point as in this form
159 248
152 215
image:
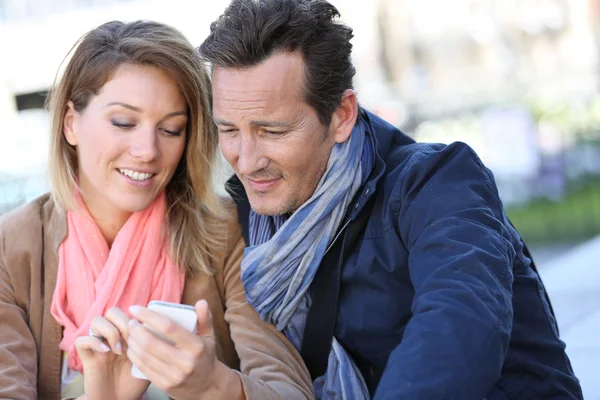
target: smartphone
181 314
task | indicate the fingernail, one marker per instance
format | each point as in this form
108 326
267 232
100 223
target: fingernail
135 310
119 349
104 348
132 323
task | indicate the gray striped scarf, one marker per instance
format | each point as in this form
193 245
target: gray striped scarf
285 252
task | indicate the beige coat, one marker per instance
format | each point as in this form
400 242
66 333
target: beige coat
30 359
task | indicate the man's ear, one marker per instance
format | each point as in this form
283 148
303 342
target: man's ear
344 117
69 124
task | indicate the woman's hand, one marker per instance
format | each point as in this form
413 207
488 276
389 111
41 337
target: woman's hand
187 369
107 370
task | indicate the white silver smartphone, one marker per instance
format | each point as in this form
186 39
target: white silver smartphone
181 314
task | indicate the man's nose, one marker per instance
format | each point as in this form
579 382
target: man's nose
250 155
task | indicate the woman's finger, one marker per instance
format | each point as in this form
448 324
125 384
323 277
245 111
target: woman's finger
162 360
103 327
120 320
87 345
163 326
163 375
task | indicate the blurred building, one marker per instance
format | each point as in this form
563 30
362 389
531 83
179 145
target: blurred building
515 79
448 57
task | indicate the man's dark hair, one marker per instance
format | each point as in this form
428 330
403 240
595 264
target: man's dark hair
250 31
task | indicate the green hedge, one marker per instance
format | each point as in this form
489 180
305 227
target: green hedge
575 218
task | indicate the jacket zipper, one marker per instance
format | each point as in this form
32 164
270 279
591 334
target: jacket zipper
337 236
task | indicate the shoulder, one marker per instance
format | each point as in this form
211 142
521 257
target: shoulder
227 261
230 250
425 178
26 221
414 167
231 223
437 182
22 241
413 157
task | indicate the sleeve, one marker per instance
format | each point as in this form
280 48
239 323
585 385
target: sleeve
460 263
18 355
270 366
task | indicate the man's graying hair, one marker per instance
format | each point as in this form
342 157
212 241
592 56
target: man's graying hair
250 31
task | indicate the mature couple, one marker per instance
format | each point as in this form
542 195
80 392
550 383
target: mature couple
353 263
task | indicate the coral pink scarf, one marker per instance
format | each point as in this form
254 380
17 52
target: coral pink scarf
93 278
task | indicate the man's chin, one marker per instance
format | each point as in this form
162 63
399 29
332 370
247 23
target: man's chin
262 207
266 211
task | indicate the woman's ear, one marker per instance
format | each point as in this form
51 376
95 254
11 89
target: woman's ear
344 117
69 124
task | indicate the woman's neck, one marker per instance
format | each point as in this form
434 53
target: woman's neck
108 219
109 228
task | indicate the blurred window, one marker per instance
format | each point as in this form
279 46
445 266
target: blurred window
14 10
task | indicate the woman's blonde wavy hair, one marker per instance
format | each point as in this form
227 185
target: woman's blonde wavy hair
195 217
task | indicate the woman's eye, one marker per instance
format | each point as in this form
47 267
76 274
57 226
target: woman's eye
122 125
172 133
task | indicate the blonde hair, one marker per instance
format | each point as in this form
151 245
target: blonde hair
195 217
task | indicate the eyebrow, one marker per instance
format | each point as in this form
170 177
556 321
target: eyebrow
264 124
137 109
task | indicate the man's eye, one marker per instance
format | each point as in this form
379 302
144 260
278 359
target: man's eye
275 133
226 131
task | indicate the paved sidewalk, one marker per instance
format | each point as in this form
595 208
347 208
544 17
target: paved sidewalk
573 282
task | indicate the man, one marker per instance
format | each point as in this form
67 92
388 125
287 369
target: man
437 299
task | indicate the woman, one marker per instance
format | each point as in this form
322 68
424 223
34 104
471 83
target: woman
132 218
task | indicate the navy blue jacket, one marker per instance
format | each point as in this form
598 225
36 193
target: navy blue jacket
439 301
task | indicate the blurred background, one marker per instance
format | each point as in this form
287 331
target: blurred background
518 80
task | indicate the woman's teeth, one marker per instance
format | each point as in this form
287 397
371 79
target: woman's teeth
136 176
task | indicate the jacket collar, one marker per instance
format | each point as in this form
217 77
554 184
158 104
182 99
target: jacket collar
54 226
55 223
236 190
377 170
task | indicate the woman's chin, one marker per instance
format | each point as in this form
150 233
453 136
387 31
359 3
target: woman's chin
133 204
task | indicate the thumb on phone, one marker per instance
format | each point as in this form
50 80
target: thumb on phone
204 325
